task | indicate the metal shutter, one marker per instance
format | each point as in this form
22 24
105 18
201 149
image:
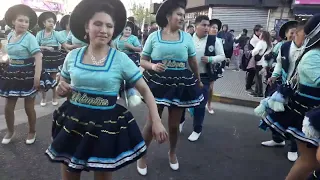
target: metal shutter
239 18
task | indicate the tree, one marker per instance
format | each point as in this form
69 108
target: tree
140 12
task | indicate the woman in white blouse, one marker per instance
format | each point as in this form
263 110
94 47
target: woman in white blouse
263 47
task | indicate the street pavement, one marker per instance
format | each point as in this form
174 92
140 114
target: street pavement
229 149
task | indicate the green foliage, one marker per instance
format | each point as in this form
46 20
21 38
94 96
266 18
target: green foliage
140 12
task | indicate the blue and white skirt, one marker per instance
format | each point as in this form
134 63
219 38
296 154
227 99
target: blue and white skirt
177 86
311 126
53 59
92 132
289 123
17 79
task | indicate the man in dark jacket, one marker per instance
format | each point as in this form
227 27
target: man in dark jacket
227 40
242 39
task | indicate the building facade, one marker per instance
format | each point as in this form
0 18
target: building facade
245 14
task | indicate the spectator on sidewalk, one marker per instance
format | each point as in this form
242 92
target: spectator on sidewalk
227 40
232 33
274 37
237 56
263 47
251 65
190 30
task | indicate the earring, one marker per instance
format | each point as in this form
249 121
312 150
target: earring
85 36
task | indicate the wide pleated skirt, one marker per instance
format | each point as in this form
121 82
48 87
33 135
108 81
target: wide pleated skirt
176 88
18 80
52 60
87 139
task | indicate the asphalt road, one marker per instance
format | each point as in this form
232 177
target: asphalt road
229 149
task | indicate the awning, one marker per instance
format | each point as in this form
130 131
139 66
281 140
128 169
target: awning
300 10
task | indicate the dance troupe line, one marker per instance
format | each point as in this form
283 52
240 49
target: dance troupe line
96 57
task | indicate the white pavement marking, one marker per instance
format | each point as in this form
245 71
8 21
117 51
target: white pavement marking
233 108
21 117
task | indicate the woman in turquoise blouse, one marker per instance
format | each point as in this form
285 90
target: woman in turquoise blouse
50 42
65 26
22 78
165 56
91 132
288 106
129 44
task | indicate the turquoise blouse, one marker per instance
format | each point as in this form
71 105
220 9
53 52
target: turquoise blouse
107 78
309 69
158 49
64 34
119 44
54 40
25 48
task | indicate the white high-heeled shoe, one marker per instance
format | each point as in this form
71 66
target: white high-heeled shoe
175 166
31 141
142 171
8 140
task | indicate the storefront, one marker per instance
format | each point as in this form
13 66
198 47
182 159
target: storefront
239 18
304 9
238 15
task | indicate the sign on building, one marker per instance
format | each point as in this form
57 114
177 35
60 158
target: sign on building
45 5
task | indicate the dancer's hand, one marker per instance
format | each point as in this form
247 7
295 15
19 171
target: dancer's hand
200 84
159 132
159 67
272 80
50 48
63 89
127 45
36 83
205 59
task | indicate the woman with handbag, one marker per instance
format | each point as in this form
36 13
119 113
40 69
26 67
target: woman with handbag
263 47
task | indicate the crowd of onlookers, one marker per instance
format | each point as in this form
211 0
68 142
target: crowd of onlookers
247 53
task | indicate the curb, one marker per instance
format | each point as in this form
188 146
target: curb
234 101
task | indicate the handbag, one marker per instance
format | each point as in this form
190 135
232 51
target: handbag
258 57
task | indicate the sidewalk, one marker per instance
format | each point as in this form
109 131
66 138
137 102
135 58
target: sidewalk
230 89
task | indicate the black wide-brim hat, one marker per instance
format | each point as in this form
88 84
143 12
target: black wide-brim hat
312 30
79 17
284 28
131 25
166 7
44 16
22 9
217 22
64 21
